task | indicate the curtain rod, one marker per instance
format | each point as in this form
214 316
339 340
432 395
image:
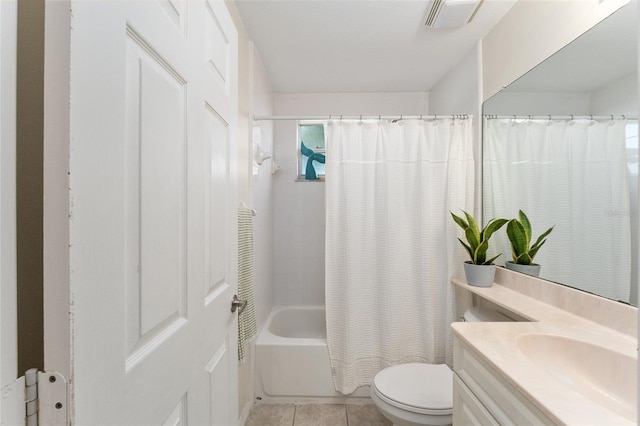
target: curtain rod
561 117
360 117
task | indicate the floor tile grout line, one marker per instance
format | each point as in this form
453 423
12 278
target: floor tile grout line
346 413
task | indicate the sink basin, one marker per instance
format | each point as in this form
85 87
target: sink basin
605 377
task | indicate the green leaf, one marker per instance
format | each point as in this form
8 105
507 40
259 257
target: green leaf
490 261
473 225
469 250
471 238
517 237
493 226
480 254
538 242
460 221
524 259
524 221
534 251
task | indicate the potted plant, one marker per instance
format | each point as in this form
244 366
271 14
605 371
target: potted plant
519 233
479 271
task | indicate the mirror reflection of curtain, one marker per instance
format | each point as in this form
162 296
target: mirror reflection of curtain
391 246
571 174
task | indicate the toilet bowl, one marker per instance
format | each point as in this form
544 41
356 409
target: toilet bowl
415 394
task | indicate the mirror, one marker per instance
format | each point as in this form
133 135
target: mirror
561 144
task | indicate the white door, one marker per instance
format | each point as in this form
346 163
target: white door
152 205
12 391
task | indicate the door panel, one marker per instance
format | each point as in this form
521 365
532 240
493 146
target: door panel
219 379
155 181
178 416
218 154
218 50
152 212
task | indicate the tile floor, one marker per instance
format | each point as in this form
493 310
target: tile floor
315 415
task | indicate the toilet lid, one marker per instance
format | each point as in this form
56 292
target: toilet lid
417 387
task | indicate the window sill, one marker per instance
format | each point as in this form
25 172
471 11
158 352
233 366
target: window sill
302 179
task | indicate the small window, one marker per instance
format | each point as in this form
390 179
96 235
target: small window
311 146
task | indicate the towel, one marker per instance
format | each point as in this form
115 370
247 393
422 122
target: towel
247 327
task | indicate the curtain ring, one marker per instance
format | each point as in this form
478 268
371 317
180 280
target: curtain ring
623 117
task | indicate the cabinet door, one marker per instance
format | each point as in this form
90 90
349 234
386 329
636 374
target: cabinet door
467 410
498 397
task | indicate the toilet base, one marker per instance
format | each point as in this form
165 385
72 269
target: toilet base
401 417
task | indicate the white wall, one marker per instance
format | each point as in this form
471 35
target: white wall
460 92
618 97
299 206
262 190
243 174
540 103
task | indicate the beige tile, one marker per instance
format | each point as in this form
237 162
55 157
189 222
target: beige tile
320 415
271 415
366 415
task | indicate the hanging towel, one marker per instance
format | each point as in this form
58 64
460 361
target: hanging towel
247 327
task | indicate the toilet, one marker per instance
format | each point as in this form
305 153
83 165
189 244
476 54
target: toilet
416 394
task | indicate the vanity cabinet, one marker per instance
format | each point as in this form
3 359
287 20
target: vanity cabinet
482 397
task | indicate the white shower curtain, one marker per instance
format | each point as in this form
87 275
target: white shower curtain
571 174
391 245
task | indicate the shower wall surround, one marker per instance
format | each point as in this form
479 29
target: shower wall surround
262 190
299 221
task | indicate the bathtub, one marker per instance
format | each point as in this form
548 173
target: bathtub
292 359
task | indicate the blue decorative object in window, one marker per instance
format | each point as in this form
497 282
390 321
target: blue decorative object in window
310 172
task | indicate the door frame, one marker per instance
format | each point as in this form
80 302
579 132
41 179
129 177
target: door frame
58 321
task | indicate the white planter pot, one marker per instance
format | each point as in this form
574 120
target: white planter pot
533 269
479 275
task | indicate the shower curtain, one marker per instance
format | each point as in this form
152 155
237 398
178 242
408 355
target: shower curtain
571 174
391 245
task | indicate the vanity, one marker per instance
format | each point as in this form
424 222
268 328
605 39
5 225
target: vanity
569 357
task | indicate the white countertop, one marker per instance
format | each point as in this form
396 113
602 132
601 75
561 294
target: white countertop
497 343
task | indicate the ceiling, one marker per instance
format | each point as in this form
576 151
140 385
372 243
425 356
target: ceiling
331 46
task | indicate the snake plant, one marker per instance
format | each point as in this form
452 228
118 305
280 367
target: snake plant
478 240
519 233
